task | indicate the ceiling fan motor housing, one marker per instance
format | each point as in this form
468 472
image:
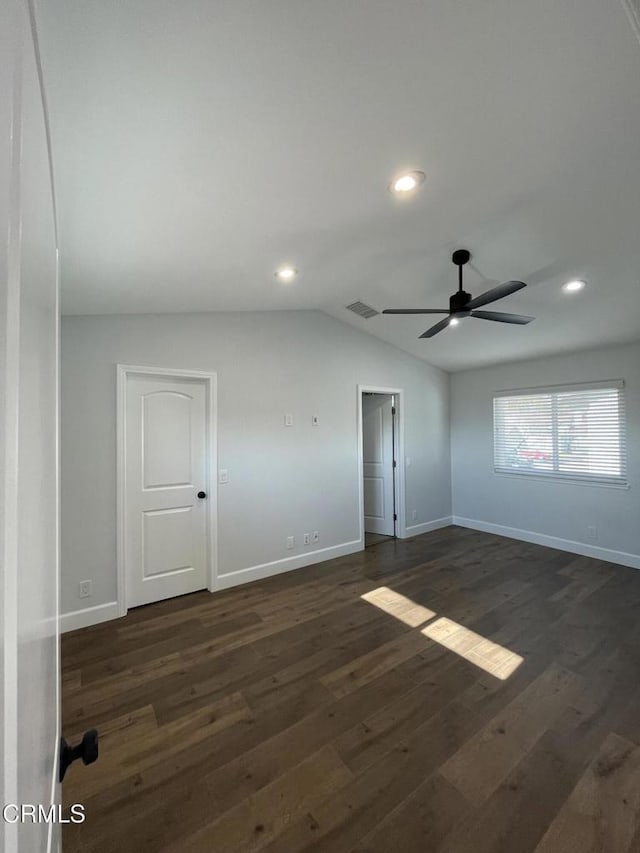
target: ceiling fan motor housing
458 302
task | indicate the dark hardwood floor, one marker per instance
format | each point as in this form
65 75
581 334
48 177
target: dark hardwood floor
375 539
455 692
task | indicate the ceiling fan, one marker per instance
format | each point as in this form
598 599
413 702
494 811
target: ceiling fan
462 304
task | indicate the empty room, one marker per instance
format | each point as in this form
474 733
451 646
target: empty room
320 426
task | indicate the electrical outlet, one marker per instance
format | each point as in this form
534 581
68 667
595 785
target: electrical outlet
592 532
315 536
307 539
85 589
291 541
414 515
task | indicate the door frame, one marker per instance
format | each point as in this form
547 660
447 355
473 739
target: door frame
398 393
210 379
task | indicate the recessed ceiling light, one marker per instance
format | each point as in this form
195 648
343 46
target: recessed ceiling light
286 273
574 286
407 182
454 321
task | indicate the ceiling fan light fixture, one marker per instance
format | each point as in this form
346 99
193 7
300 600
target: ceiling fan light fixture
286 273
574 286
454 321
407 182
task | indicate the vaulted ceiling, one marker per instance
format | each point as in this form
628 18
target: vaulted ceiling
198 145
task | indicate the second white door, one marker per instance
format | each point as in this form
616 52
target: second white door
166 487
377 458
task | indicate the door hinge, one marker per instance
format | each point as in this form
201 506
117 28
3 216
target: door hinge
393 410
395 517
395 463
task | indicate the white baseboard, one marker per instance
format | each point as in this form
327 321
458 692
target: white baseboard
581 548
88 616
426 527
105 612
276 567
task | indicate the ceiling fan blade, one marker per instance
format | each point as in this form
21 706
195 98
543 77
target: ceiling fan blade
500 317
416 311
496 293
435 329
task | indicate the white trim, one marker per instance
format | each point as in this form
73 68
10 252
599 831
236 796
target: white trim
9 430
617 384
399 496
89 616
105 612
123 371
53 838
621 558
568 480
53 835
427 526
277 567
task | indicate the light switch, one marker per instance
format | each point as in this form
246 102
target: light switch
315 420
288 420
408 461
223 475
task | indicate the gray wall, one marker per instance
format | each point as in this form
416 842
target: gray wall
282 481
550 508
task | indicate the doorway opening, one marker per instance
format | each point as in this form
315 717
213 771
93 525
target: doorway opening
379 469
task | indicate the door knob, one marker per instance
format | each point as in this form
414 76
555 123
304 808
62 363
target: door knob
202 495
87 750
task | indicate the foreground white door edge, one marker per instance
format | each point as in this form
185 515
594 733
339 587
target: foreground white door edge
29 564
168 485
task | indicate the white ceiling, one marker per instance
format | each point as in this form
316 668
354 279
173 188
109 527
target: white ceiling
197 145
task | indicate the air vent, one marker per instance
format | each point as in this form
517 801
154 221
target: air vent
633 11
362 310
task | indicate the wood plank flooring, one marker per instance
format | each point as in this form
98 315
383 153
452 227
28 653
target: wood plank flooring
375 539
458 692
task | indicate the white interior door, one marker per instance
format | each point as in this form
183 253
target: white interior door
377 458
29 570
166 541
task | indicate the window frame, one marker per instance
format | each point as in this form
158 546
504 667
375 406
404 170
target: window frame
572 477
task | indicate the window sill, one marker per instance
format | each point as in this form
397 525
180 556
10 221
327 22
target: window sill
552 478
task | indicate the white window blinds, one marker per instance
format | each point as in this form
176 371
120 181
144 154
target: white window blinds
573 432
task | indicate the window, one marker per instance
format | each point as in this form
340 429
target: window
575 432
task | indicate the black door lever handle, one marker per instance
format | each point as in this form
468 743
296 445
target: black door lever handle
87 750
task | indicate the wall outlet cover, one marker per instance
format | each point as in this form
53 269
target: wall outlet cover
85 589
290 542
307 539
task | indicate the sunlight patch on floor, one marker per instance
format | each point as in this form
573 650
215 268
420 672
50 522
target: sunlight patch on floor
478 650
399 606
486 654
